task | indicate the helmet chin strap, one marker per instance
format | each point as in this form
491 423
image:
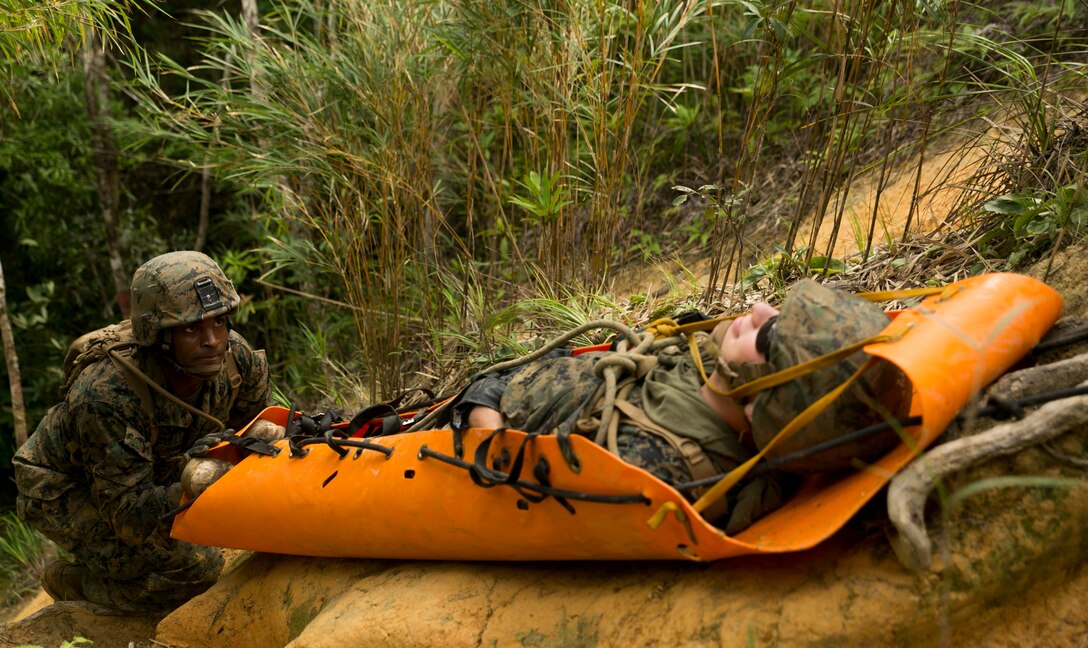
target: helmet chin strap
169 361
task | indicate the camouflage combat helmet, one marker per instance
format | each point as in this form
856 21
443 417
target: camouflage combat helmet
178 288
815 320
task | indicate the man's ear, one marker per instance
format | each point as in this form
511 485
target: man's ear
718 333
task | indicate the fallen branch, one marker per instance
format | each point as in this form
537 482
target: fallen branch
909 490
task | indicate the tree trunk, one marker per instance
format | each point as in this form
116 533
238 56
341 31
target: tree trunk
252 18
205 206
97 90
18 409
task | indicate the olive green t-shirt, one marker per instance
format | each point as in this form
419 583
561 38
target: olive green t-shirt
671 398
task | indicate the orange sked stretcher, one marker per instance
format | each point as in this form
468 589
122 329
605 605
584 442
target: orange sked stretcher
411 505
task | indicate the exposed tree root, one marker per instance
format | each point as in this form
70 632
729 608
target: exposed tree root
1036 380
909 490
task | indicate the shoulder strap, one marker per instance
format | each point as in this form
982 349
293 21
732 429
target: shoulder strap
233 373
716 494
695 458
135 375
138 384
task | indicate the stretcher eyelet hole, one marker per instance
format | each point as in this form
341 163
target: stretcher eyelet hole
409 474
329 479
523 505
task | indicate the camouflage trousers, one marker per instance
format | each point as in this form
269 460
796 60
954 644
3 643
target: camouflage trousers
155 576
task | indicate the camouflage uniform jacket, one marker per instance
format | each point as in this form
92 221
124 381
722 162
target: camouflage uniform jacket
100 440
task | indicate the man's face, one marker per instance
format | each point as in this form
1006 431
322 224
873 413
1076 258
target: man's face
201 348
739 341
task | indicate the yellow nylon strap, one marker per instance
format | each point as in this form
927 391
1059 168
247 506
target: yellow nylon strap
671 507
906 293
666 327
800 421
796 371
693 348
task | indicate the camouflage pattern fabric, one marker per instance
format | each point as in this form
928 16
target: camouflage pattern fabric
487 390
157 574
97 480
178 288
549 395
552 395
815 320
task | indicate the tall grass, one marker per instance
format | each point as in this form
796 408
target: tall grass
412 150
23 555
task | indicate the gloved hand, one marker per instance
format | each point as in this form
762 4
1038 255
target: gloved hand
202 472
266 430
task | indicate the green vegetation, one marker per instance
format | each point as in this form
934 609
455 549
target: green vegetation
515 159
23 555
396 174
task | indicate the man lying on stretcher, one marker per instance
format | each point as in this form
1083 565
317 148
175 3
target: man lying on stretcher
681 428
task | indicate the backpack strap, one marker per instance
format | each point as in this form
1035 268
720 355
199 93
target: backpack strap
136 376
233 373
120 355
695 458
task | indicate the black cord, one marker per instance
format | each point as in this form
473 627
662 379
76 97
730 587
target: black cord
425 452
999 408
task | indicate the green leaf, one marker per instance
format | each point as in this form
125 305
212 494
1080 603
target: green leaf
1079 217
533 182
831 264
1039 226
1015 258
754 274
1020 222
1010 204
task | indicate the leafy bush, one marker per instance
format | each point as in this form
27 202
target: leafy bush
1030 225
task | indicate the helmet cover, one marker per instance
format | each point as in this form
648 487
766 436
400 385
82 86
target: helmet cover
816 320
175 289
